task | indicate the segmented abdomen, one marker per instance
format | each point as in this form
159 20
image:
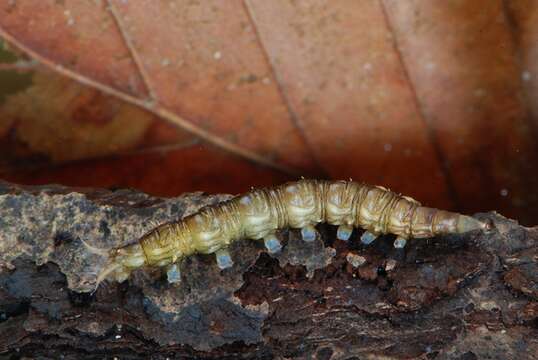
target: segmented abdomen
302 204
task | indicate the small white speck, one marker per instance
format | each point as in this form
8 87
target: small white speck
387 147
479 92
117 337
526 76
390 265
165 62
150 103
399 243
355 260
245 200
291 189
504 192
70 20
489 305
430 66
217 55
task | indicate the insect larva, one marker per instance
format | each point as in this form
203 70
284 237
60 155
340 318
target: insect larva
257 214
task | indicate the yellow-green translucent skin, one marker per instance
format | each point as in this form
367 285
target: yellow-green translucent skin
261 212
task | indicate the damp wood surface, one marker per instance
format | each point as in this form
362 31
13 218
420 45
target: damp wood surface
452 297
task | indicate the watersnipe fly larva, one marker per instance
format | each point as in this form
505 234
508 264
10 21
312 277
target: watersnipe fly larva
259 213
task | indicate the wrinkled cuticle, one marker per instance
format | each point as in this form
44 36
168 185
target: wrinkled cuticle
375 209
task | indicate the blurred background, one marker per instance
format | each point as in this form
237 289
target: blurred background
434 99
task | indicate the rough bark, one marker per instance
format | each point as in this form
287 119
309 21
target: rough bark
457 297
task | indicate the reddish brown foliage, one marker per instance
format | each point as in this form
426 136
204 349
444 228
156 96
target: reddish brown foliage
432 99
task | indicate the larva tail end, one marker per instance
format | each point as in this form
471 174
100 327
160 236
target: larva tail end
467 223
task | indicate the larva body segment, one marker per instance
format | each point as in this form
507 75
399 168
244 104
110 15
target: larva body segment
303 202
261 212
342 199
257 214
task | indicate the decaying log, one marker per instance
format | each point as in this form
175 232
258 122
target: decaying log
457 297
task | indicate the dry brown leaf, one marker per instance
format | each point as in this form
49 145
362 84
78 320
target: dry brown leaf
64 121
434 99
